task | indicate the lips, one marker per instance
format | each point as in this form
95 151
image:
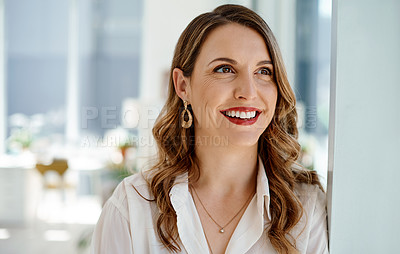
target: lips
242 115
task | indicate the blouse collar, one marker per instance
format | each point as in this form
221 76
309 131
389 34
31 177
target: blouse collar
180 190
263 196
249 229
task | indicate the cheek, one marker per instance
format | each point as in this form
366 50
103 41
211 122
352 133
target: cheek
199 98
270 96
273 100
205 93
274 94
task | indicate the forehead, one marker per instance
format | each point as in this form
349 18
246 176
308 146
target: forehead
234 41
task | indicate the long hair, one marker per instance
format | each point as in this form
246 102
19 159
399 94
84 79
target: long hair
277 147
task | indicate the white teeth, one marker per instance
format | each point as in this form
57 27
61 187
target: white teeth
241 114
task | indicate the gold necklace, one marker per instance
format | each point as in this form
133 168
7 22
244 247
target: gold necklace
221 228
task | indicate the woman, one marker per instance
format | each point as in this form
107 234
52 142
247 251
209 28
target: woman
226 180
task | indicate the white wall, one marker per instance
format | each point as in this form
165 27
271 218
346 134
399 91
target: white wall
72 91
3 101
365 127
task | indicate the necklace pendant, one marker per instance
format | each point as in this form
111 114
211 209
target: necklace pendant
221 230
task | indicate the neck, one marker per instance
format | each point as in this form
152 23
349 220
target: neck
227 169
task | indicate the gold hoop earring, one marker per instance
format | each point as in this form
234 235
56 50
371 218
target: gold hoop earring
188 123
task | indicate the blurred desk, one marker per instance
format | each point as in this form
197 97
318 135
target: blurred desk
18 192
22 193
21 185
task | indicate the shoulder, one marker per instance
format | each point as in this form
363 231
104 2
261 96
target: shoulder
136 181
131 191
308 188
311 196
113 232
312 227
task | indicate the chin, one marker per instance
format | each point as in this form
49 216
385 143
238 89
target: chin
243 140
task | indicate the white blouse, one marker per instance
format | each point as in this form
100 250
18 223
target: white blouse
128 222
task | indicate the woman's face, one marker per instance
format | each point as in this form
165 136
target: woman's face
232 90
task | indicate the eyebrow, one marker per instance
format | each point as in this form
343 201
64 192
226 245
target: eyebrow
231 61
224 59
264 62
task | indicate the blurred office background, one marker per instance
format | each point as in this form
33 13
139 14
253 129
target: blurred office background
81 83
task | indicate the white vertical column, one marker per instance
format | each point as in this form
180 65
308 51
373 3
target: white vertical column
280 16
72 99
364 169
3 87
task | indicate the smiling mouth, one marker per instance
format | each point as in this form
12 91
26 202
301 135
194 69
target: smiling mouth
242 115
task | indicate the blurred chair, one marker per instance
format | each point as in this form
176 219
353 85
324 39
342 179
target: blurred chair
59 166
53 197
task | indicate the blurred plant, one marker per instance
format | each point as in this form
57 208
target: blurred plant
306 157
118 171
29 132
123 147
84 240
20 139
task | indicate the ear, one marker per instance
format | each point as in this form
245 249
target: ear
181 84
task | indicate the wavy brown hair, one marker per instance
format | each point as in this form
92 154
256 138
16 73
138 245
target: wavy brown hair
278 147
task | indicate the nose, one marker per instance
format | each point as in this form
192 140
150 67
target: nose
245 87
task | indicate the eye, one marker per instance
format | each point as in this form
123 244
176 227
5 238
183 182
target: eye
223 69
265 71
